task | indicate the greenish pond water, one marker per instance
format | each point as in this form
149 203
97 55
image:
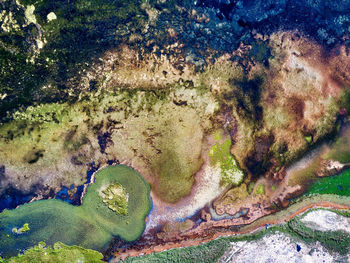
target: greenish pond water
91 225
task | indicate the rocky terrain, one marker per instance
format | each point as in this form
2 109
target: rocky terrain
212 102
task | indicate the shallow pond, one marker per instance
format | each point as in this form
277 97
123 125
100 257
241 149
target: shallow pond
91 225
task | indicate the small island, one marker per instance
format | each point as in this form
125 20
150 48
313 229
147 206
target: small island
21 230
116 198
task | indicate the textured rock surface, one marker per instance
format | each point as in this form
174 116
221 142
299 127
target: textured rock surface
279 247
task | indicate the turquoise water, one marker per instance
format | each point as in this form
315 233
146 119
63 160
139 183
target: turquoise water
91 225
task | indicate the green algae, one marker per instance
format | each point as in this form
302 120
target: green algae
58 253
219 155
54 220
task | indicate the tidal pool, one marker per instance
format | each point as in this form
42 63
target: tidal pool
91 225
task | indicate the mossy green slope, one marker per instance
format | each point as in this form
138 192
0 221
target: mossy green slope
219 155
91 225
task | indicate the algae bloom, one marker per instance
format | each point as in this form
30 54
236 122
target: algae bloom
91 225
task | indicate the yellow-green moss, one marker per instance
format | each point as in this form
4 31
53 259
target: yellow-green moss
116 198
23 229
58 253
260 190
219 155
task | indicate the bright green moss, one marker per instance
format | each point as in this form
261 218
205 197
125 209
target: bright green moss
260 190
23 229
251 187
338 185
308 138
219 155
116 198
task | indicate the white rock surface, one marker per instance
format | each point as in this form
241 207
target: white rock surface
325 220
279 248
51 16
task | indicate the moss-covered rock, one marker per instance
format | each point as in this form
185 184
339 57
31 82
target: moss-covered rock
116 198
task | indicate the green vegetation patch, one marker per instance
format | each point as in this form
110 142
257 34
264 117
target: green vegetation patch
58 253
175 154
23 229
91 225
207 253
219 155
260 190
308 139
338 185
336 241
116 198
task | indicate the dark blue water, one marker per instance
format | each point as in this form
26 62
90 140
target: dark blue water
13 197
75 199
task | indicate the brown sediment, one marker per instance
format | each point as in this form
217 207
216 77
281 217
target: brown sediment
205 188
223 228
254 211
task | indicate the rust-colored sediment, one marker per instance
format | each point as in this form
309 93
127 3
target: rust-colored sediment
329 70
193 239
